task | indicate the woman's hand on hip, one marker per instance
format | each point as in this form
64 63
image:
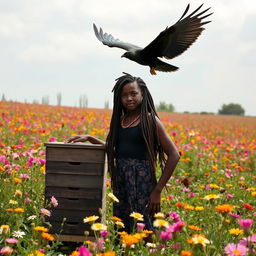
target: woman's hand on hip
154 202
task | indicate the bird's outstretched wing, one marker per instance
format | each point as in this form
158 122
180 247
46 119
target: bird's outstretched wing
176 39
109 40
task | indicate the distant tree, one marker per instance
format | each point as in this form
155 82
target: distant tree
164 107
35 101
83 101
45 100
106 104
59 98
3 97
231 109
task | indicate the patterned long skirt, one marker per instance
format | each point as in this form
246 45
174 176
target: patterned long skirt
134 185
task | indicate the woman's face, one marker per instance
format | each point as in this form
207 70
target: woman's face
131 96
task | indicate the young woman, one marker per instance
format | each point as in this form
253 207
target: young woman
136 143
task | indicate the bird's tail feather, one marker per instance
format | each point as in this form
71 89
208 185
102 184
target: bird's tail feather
165 67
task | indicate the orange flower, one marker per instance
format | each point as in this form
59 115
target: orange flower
20 210
115 218
224 208
185 253
109 253
180 205
193 227
41 229
17 180
47 236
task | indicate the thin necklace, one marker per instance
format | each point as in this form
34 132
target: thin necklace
131 123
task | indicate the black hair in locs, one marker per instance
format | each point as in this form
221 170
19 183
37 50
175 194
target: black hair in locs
148 126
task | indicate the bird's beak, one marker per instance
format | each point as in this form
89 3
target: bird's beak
123 55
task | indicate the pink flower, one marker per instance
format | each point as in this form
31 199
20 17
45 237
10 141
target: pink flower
100 243
83 251
24 176
170 197
41 161
191 194
6 250
175 227
45 212
229 196
234 215
250 239
174 216
52 139
174 133
54 201
11 240
28 200
245 223
186 190
176 246
104 233
165 235
140 225
235 249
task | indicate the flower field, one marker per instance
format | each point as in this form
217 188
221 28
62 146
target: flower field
208 206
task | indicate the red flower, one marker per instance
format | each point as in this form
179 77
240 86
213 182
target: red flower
248 207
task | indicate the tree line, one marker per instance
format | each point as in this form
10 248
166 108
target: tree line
226 109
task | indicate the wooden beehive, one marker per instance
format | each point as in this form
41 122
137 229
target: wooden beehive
75 176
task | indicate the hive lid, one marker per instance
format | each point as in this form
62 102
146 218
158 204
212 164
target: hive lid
57 144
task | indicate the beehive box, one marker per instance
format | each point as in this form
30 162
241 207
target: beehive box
75 176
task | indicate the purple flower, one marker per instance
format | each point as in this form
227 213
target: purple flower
104 233
234 215
140 225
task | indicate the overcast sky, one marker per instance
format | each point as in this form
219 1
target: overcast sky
49 46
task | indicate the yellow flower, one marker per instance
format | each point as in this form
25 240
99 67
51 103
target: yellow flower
90 218
151 245
236 231
41 229
113 197
214 186
137 216
211 196
160 223
253 193
199 208
199 239
18 193
159 215
119 224
13 202
98 227
189 207
47 236
4 229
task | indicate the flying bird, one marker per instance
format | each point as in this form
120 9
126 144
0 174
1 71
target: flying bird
170 43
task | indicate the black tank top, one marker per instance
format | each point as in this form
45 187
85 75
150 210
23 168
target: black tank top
130 143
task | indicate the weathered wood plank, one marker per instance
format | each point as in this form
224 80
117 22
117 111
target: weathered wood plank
75 155
70 228
75 181
78 204
70 215
73 192
74 168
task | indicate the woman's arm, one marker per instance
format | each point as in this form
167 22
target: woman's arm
85 138
172 160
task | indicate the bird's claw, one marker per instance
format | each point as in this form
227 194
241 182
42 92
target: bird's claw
152 71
